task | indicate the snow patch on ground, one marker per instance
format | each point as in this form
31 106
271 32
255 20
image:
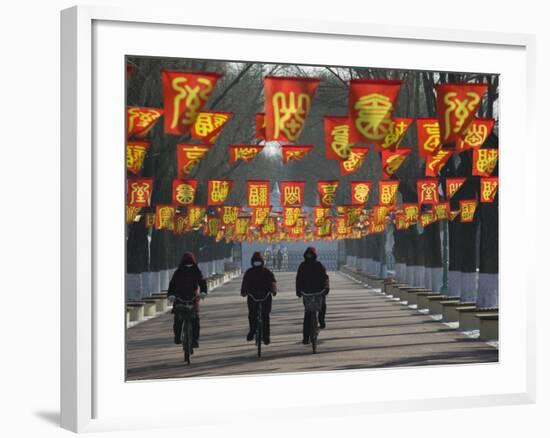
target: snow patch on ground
437 317
424 311
404 303
413 306
453 325
471 333
493 344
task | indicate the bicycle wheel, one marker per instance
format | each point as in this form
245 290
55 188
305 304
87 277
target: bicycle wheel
187 341
259 331
313 331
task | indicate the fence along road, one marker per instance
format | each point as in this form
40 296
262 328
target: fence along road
364 329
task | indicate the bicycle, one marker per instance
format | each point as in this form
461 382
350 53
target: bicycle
312 304
185 309
258 333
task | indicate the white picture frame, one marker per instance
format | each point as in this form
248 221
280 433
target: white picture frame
93 397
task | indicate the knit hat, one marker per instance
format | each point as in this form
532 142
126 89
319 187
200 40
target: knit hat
257 256
187 259
310 250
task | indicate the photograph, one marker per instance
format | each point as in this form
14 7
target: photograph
291 218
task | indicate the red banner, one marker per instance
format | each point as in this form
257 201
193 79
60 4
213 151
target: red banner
319 215
241 226
230 214
484 161
181 224
379 214
355 160
135 154
395 135
260 214
269 227
132 213
295 152
244 152
287 104
387 192
339 136
457 105
257 193
441 211
392 160
149 220
352 214
325 228
218 191
213 226
360 191
189 156
411 213
185 94
184 191
292 193
164 217
429 139
467 210
140 120
139 192
341 227
488 189
435 162
427 218
195 215
327 192
427 191
476 134
260 126
291 215
371 105
453 185
209 125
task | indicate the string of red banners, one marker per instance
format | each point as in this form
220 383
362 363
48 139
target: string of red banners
288 102
351 221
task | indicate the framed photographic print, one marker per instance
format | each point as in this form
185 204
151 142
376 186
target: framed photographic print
238 217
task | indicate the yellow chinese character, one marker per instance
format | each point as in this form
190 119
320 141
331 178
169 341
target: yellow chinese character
292 195
328 193
460 109
185 194
486 160
374 116
135 154
219 190
192 98
475 135
429 192
290 111
434 137
361 192
140 193
258 195
340 141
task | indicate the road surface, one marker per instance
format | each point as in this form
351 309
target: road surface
364 329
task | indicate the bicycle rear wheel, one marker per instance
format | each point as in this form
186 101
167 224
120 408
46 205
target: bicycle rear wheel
187 340
259 330
313 332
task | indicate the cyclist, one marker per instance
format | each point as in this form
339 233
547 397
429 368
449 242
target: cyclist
257 281
311 278
186 283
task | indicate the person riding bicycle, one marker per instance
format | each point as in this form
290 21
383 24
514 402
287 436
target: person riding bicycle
185 284
312 278
258 281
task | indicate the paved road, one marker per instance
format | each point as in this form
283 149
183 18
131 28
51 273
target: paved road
364 329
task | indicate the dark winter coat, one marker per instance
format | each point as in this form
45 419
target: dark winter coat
311 277
257 281
186 281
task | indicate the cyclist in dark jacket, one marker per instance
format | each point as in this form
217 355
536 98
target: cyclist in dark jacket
186 283
257 281
311 278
